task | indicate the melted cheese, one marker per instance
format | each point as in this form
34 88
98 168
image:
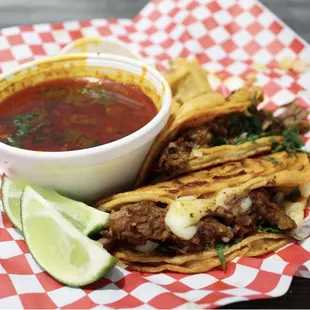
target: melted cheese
226 193
180 225
196 153
245 205
184 214
223 195
186 211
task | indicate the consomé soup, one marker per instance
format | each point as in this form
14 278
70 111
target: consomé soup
73 114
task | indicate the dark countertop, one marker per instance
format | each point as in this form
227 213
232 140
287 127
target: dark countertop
295 13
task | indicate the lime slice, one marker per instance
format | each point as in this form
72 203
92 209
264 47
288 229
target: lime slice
87 219
59 247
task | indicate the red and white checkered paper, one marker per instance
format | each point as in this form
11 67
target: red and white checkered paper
226 36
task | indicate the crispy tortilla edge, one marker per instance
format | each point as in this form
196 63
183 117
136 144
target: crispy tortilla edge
264 244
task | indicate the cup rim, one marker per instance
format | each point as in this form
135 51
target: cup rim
100 40
108 147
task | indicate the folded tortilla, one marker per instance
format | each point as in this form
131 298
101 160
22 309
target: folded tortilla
188 201
256 245
197 112
187 80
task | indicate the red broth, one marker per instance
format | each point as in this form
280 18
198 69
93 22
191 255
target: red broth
73 114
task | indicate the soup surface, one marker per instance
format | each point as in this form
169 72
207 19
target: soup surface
73 114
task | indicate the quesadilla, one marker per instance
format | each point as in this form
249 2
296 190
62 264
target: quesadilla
199 221
210 129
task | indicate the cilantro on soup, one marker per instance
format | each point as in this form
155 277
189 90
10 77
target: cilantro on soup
73 114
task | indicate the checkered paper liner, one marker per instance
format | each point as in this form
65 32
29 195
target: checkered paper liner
227 37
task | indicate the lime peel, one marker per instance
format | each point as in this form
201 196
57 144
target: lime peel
87 219
59 247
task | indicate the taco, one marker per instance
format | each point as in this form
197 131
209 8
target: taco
187 80
196 222
210 129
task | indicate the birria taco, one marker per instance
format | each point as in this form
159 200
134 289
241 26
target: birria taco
196 222
210 129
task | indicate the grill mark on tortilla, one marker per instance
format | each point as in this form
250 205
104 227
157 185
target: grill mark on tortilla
164 186
177 182
206 195
174 191
220 177
193 184
302 168
189 186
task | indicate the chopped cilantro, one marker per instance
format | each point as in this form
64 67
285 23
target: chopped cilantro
219 249
106 100
100 95
240 123
254 99
95 143
13 142
86 91
218 140
273 160
27 116
253 138
21 131
292 141
269 228
24 124
164 249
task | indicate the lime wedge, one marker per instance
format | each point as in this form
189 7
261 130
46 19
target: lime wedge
87 219
11 193
59 247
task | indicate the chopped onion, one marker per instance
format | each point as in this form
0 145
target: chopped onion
295 210
148 247
305 190
279 198
197 153
244 135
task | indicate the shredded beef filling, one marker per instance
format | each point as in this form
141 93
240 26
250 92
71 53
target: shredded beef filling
270 211
293 114
176 155
137 223
232 129
142 221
